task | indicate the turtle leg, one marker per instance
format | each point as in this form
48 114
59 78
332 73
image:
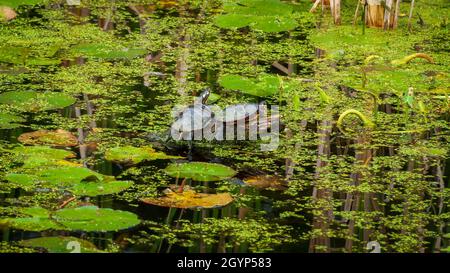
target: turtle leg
190 147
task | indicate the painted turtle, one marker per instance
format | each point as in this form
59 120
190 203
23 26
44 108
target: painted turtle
193 119
238 112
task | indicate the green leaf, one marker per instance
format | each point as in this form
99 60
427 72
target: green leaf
102 51
10 121
34 101
25 181
39 220
100 188
274 24
263 15
41 152
33 224
265 86
232 21
67 176
200 171
213 97
60 244
130 154
236 82
17 3
91 218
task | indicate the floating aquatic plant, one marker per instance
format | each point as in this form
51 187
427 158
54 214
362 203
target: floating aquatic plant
35 101
78 180
266 182
17 3
265 85
60 244
10 121
35 219
367 122
19 55
200 171
92 218
7 14
41 152
134 155
267 15
190 199
87 218
100 188
103 51
58 138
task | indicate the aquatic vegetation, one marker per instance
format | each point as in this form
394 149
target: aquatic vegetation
34 101
7 13
17 3
266 182
102 51
267 16
409 58
75 179
88 218
134 155
59 244
58 138
190 199
200 171
42 152
90 96
91 218
10 121
367 122
264 86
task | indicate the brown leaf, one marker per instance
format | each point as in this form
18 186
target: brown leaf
58 138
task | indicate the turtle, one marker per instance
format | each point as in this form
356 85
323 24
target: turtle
193 118
238 112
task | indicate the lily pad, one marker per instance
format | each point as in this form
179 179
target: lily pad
189 199
28 57
58 138
88 218
64 176
39 220
92 218
213 97
67 176
25 181
264 86
100 188
17 3
266 182
42 151
134 155
102 51
60 244
419 151
35 101
200 171
35 156
10 121
7 13
262 15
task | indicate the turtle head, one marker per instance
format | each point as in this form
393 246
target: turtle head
204 95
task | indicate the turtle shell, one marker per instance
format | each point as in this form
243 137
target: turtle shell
237 112
193 118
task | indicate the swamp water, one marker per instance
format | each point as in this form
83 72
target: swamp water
364 132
